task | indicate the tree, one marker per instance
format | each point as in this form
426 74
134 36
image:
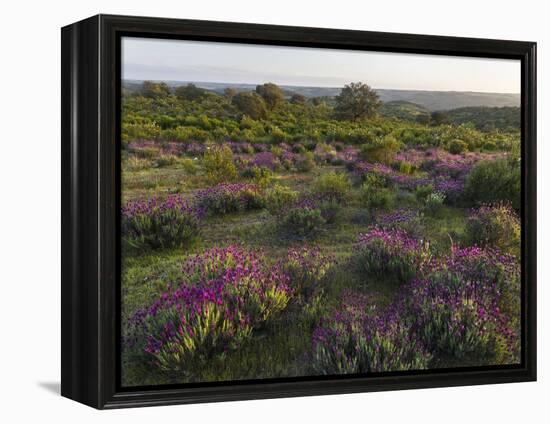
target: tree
153 90
250 104
271 94
298 99
357 101
229 92
190 92
440 118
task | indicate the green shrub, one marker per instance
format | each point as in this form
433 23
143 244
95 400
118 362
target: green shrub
422 192
495 226
189 165
457 147
301 220
330 209
279 196
261 176
379 198
218 164
305 162
381 150
332 186
495 181
166 160
434 203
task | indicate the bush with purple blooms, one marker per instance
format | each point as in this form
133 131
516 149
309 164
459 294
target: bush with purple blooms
360 338
468 304
390 252
306 268
496 226
222 297
159 224
224 198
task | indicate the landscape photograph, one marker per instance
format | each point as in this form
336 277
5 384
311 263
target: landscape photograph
300 212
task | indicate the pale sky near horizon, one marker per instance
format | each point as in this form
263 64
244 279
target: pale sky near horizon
178 60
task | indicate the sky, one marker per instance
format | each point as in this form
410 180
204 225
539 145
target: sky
199 61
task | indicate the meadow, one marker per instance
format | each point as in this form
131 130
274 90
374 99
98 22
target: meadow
268 235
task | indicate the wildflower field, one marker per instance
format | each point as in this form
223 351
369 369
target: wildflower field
272 236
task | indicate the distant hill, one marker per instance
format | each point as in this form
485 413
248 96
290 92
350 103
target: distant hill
430 100
404 110
487 118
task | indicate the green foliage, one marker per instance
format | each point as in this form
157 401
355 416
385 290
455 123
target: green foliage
457 147
495 181
261 176
218 165
374 196
250 104
495 226
153 89
433 204
423 192
279 196
305 162
271 94
381 150
190 92
301 222
298 99
357 101
332 186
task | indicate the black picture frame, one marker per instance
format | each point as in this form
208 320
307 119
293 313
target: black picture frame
91 204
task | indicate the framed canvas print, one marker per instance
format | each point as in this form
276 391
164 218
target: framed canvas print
253 211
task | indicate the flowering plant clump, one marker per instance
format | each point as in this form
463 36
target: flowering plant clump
404 219
381 252
306 268
228 198
301 219
265 160
224 294
468 303
359 339
154 224
495 225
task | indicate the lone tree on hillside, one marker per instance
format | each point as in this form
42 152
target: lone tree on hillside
357 101
250 104
190 92
271 93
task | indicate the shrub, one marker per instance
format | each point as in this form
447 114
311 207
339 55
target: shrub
381 150
306 268
329 209
332 186
224 294
155 224
374 197
302 219
434 203
495 226
469 305
457 147
279 196
390 252
422 192
166 160
229 198
495 181
358 338
218 165
189 165
305 162
260 176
